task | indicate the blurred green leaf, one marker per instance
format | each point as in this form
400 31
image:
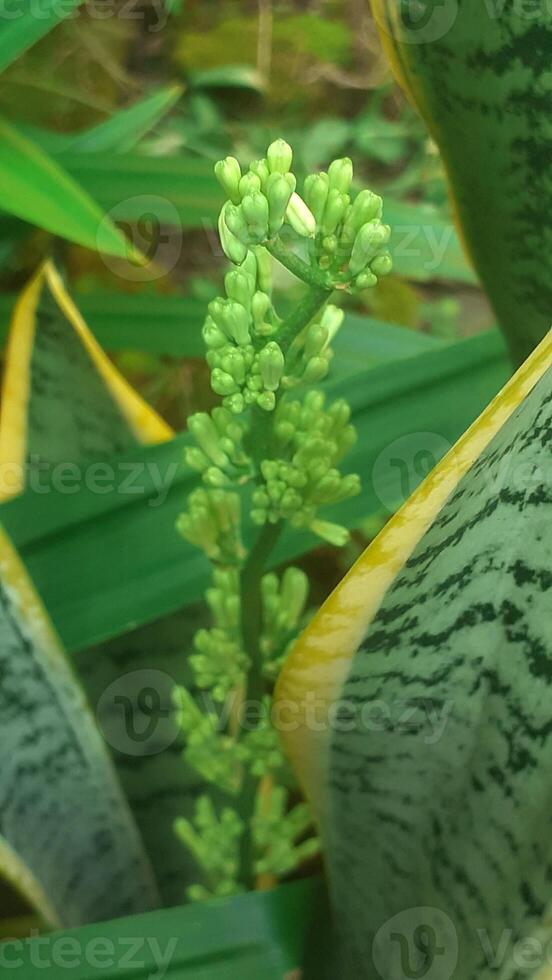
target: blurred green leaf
23 24
34 187
82 548
228 76
282 934
120 133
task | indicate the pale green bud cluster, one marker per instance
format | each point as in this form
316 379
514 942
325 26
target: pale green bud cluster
219 454
348 239
212 523
277 831
214 841
261 201
351 238
265 747
217 757
255 359
310 354
284 601
219 662
246 364
311 441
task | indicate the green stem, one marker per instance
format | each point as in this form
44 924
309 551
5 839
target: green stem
302 315
309 274
250 582
252 624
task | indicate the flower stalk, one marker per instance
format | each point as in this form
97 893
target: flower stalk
275 457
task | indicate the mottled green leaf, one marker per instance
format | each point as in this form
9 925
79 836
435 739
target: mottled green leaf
431 666
67 839
480 76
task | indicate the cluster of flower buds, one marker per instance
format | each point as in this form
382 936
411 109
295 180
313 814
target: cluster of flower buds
261 201
277 831
284 601
264 745
348 240
214 842
310 353
219 454
217 757
304 477
212 523
219 662
246 363
351 238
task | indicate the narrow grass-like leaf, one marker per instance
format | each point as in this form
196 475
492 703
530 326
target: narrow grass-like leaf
22 24
431 787
120 133
80 547
35 187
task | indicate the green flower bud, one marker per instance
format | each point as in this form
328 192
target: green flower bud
333 533
279 156
261 170
239 286
234 364
255 211
340 173
196 459
249 184
332 320
329 244
271 365
315 370
315 193
214 477
315 340
365 207
236 322
260 305
212 334
295 590
228 173
249 264
235 403
366 280
267 401
334 212
370 238
222 383
236 223
278 194
233 247
264 269
381 265
205 434
300 217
